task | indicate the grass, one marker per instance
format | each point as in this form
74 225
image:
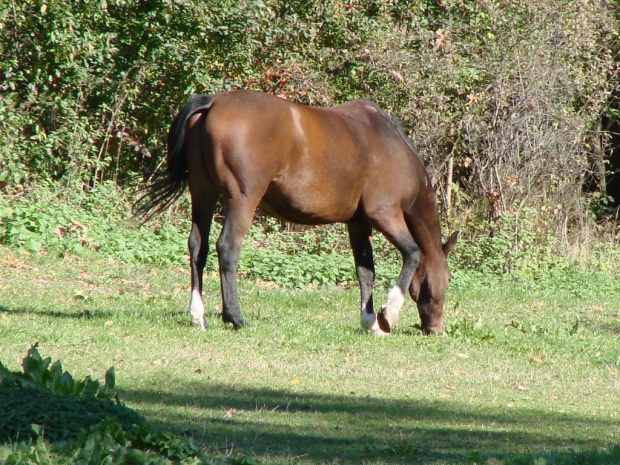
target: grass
528 371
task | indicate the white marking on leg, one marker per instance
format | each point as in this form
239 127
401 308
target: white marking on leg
197 310
390 310
395 300
370 324
369 320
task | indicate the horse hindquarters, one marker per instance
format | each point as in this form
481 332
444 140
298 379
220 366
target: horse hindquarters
218 168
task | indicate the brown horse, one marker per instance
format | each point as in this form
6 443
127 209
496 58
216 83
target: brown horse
349 164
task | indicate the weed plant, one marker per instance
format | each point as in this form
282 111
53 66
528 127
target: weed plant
68 421
97 222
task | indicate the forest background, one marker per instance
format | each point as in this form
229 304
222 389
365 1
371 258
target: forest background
513 105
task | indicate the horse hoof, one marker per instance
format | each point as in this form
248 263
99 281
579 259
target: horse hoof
378 332
200 324
237 323
386 319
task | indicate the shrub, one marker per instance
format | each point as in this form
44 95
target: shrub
77 421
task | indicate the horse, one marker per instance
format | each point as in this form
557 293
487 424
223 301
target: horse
351 163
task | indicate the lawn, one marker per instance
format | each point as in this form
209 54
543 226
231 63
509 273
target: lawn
527 371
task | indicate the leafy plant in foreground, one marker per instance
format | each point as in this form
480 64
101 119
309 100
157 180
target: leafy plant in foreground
81 419
468 329
46 395
37 373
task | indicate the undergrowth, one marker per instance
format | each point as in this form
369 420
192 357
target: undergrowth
97 221
60 420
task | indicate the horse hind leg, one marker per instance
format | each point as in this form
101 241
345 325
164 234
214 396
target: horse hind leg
198 245
239 215
361 245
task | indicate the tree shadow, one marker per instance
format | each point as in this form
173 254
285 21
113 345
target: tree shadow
611 328
324 428
176 317
61 418
46 312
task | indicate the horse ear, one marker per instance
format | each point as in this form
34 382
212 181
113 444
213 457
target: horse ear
450 243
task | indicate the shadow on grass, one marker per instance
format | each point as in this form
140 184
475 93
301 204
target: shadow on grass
176 317
611 328
60 417
44 312
341 429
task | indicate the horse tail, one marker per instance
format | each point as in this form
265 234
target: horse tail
166 186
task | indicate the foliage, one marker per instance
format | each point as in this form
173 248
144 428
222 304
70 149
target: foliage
49 397
517 129
296 258
97 222
510 246
89 88
91 220
108 442
44 404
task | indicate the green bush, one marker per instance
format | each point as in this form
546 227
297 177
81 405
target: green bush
508 95
69 421
92 220
47 396
98 221
509 246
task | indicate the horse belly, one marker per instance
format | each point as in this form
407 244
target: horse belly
310 202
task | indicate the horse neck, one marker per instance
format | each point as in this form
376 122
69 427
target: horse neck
426 229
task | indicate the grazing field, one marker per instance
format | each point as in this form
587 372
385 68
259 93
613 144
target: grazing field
528 372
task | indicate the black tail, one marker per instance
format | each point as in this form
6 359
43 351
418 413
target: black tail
165 187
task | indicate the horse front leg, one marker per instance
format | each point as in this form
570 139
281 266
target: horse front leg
238 219
396 231
360 237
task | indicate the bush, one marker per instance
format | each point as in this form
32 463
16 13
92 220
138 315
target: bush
93 220
77 421
503 99
510 246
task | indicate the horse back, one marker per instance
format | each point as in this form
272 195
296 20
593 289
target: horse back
305 164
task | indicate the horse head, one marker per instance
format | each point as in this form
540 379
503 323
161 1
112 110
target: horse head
429 285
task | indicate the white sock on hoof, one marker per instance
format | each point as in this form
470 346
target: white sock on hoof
370 324
197 310
395 300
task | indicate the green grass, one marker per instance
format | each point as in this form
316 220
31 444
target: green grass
527 371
